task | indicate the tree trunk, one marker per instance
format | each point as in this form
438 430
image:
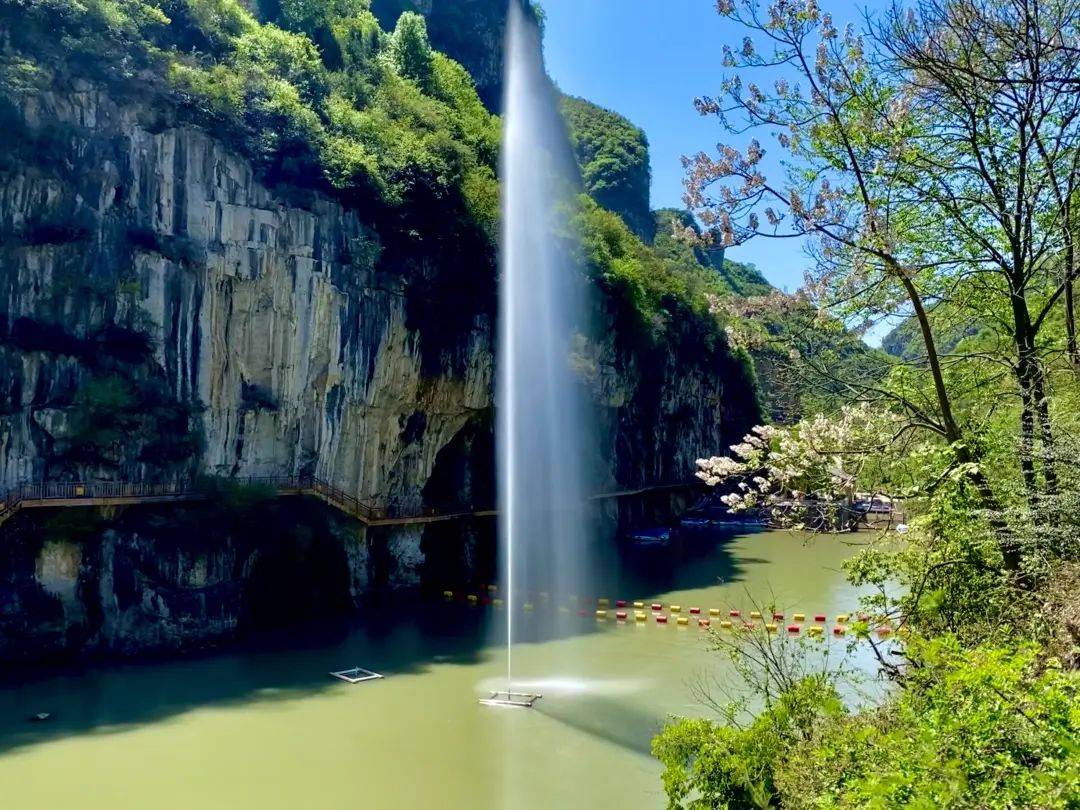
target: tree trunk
1006 537
1072 352
1070 324
1046 431
1035 409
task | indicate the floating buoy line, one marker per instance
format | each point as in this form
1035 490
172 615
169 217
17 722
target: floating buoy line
639 612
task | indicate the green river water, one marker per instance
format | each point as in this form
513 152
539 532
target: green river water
264 727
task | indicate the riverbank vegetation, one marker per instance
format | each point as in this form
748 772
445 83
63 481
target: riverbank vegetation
933 157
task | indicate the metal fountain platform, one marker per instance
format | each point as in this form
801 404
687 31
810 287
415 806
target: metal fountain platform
516 700
356 675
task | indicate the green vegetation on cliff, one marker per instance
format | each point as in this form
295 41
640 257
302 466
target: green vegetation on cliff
318 95
649 283
904 341
369 116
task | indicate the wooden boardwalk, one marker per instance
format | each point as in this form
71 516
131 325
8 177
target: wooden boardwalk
117 493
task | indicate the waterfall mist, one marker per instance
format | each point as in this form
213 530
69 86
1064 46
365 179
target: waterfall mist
542 432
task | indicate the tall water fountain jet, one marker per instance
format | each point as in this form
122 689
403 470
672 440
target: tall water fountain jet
541 435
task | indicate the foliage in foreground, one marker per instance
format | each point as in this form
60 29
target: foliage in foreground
986 712
990 726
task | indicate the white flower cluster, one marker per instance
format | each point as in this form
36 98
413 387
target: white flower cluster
822 455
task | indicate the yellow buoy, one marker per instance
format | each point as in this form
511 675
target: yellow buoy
755 614
726 624
543 596
603 602
841 618
601 614
528 606
493 588
448 594
676 608
714 611
799 617
471 597
563 609
683 620
497 602
639 605
641 615
815 630
770 627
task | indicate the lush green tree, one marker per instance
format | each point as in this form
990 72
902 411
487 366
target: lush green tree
884 182
410 50
710 765
928 169
309 16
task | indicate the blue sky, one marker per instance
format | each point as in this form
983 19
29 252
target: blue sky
648 60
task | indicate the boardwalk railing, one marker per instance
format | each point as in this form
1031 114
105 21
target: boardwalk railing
118 493
91 493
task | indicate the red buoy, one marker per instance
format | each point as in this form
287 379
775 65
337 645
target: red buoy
838 630
657 606
819 617
620 603
733 613
661 619
703 622
695 611
778 617
620 615
793 628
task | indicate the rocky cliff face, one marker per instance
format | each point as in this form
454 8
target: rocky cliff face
248 306
166 315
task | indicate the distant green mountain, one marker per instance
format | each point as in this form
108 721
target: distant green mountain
906 343
614 158
741 279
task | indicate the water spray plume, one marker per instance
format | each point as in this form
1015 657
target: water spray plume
540 428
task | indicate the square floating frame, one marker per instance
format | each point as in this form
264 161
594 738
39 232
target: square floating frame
356 675
516 700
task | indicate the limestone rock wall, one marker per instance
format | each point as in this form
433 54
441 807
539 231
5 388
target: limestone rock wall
291 354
